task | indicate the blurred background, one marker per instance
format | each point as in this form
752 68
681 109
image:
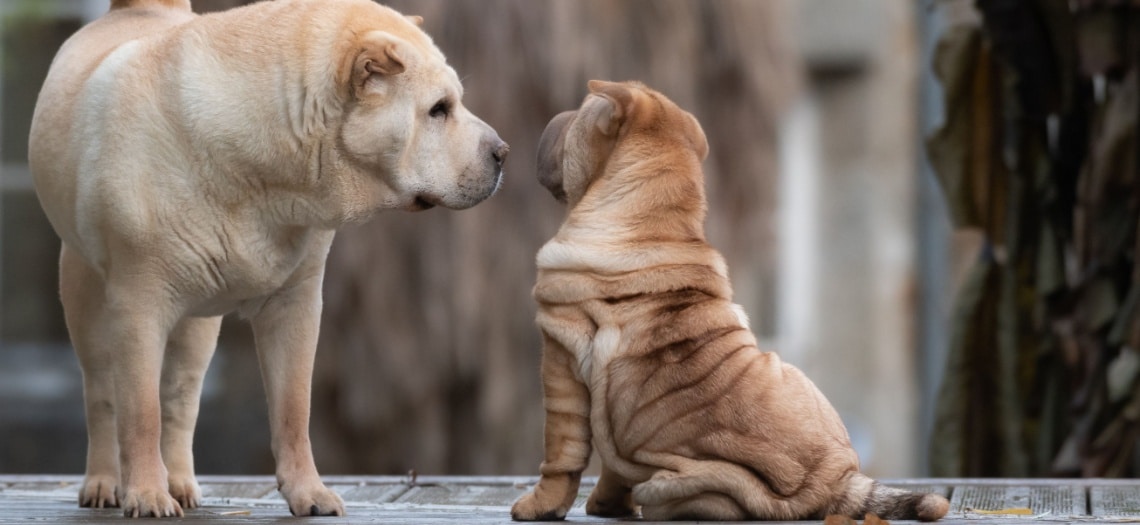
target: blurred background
929 208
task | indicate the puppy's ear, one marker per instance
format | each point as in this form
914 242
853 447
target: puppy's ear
416 19
620 98
549 165
697 136
379 55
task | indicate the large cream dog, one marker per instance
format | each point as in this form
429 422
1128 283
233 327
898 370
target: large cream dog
646 357
195 166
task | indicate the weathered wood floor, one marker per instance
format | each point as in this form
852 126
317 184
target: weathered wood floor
486 500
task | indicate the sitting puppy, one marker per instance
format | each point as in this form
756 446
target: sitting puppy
646 356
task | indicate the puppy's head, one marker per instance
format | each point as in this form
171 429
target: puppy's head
405 119
617 124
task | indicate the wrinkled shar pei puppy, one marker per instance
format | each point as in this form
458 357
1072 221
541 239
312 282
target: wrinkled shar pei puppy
647 360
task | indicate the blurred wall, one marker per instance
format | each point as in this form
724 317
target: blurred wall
849 280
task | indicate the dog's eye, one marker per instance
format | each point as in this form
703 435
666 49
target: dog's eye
441 109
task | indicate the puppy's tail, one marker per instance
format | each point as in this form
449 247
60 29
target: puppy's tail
183 5
896 504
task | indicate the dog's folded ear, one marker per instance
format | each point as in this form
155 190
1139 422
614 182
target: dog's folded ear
609 117
379 54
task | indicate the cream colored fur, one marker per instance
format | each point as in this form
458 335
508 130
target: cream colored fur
198 165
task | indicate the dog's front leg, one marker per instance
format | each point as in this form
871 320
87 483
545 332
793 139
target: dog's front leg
285 331
188 351
135 320
566 438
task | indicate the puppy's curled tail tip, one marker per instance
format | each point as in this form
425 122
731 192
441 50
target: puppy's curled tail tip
895 504
931 507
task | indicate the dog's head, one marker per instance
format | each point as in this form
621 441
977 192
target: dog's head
617 126
405 120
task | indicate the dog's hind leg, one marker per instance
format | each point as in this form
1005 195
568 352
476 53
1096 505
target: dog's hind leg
81 292
610 498
709 506
696 493
188 351
718 490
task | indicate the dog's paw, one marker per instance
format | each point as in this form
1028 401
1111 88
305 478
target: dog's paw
185 490
618 507
98 491
529 508
312 499
149 502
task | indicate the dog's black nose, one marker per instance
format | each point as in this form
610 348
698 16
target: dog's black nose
499 153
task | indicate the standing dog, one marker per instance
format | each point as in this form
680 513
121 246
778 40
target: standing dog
195 166
646 356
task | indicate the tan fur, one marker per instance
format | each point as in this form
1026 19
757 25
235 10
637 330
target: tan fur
174 4
195 166
647 360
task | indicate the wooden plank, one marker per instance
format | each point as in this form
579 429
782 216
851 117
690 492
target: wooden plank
370 492
356 494
955 482
28 478
1054 500
1115 501
495 494
60 489
925 487
465 495
227 491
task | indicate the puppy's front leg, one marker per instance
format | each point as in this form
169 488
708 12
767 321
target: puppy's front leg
567 438
285 331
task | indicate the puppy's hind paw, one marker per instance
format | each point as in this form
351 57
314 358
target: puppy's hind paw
529 508
619 508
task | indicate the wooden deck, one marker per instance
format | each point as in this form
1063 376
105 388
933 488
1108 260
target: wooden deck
485 500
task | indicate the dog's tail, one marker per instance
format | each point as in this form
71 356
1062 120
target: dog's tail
168 4
896 504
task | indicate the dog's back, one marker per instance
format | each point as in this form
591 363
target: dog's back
51 157
82 52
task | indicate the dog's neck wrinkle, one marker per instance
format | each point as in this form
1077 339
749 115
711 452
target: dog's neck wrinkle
591 265
612 210
312 184
305 97
567 287
334 199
